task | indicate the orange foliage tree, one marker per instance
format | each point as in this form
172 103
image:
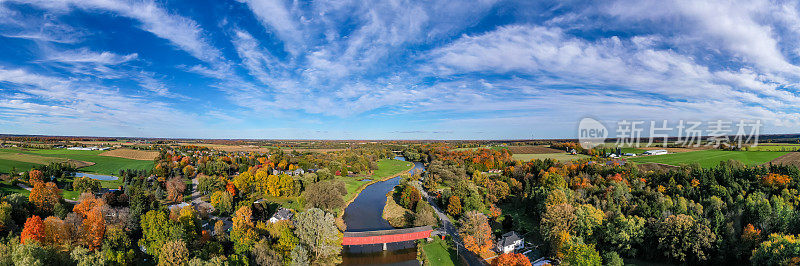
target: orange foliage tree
55 231
454 206
476 232
776 181
94 225
44 196
511 259
33 230
35 176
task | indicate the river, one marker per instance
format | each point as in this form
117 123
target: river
365 214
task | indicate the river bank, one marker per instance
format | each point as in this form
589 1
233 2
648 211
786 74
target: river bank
365 185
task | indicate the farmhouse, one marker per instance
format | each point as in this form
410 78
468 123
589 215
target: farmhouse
280 215
655 152
509 242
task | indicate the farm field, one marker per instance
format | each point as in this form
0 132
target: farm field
88 161
792 158
478 148
710 158
561 157
532 150
132 154
774 147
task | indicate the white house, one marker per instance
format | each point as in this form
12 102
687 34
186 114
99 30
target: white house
655 152
509 242
280 215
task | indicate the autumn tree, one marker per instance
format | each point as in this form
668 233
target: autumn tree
44 196
189 171
222 202
454 206
578 253
175 189
56 232
779 249
173 253
409 196
33 230
475 232
511 259
35 176
243 232
94 226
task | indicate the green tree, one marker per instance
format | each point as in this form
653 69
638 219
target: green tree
84 257
243 232
622 234
157 229
777 250
326 195
682 239
222 202
578 253
317 232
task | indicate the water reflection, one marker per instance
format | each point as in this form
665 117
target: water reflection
365 214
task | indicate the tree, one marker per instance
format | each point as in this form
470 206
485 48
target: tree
55 232
262 254
318 234
85 257
33 230
622 234
454 206
409 196
35 176
475 232
189 171
44 196
557 221
157 229
511 259
7 217
424 215
326 195
683 239
173 253
777 250
243 232
222 202
175 189
86 184
578 253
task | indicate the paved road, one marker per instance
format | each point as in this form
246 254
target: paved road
471 258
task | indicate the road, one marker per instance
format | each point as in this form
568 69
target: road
471 258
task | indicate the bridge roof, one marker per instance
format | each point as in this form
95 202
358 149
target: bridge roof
386 236
389 232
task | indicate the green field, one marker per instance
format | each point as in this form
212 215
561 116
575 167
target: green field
439 253
562 157
711 158
25 160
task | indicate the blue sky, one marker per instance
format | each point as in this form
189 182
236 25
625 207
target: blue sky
391 69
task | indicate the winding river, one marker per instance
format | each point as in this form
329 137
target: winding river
365 214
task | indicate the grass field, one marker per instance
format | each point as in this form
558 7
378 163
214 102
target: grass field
711 158
562 157
24 160
438 252
386 168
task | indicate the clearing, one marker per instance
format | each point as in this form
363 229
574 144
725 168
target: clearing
87 161
711 158
132 154
561 157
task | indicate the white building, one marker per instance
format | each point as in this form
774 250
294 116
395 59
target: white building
655 152
509 242
280 215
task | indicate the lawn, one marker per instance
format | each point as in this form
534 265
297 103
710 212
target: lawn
711 158
438 252
563 157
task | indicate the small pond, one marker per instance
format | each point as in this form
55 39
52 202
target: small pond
97 177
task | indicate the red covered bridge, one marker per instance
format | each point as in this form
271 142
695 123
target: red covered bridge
386 236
